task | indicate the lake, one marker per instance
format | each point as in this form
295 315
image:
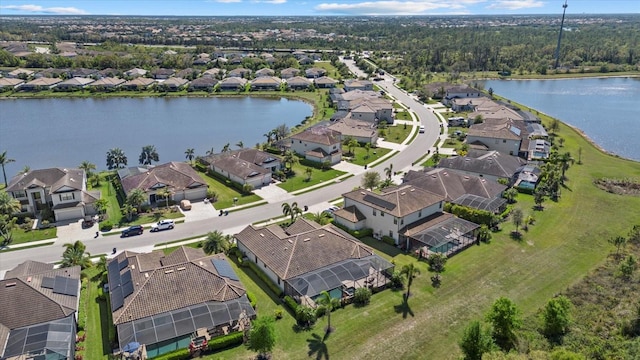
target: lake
43 133
606 109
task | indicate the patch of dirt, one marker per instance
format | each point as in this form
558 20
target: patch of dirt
619 186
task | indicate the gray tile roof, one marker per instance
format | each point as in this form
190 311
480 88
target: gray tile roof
400 201
301 248
176 175
318 135
491 163
56 178
452 185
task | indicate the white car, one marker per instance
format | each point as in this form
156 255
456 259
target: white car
163 225
421 130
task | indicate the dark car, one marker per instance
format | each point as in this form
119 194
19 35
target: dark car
132 230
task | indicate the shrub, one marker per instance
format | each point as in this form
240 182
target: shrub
106 226
396 280
388 240
180 354
265 278
278 314
320 311
292 304
226 341
305 316
362 296
252 299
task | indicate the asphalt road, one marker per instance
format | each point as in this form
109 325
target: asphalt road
236 221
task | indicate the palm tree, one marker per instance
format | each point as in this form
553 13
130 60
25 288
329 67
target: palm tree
101 205
8 205
321 217
26 169
410 271
289 159
216 242
148 154
226 148
367 148
291 210
516 217
87 167
329 303
269 136
101 265
4 160
351 143
166 193
116 159
565 161
128 210
190 154
240 144
210 152
74 255
389 171
136 198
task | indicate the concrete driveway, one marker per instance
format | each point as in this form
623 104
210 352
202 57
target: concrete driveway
199 211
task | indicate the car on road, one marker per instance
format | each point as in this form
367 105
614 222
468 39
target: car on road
162 225
421 131
132 230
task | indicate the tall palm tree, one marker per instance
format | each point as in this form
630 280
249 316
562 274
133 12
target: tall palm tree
148 155
190 154
26 169
291 210
166 193
367 148
389 171
321 217
116 159
289 159
74 254
4 160
240 144
136 198
226 148
210 152
351 143
329 303
87 167
410 271
8 205
128 210
216 242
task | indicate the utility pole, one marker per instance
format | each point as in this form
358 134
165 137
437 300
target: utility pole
564 7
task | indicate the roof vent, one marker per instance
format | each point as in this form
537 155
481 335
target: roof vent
363 193
11 284
412 189
285 249
321 235
133 266
290 241
181 268
168 271
261 234
29 279
306 239
200 263
466 178
146 275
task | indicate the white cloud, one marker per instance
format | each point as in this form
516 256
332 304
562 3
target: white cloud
46 10
397 7
516 4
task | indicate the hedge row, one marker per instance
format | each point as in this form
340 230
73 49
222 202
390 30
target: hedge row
292 304
226 341
261 274
470 214
252 299
180 354
388 240
358 234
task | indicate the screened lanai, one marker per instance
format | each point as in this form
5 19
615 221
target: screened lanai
494 205
48 341
447 237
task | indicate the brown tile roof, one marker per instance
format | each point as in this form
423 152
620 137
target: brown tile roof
355 128
491 163
291 253
176 175
399 202
350 213
452 185
298 81
183 278
318 135
425 223
25 302
238 167
56 178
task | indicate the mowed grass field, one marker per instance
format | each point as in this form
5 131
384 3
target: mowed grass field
568 240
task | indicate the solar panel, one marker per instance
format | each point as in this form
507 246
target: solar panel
380 202
127 289
117 300
123 264
224 269
61 286
47 283
113 273
126 277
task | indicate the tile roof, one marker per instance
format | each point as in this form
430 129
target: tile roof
76 81
354 128
238 167
400 201
176 175
301 248
108 81
162 283
298 81
56 178
452 184
350 213
491 163
318 135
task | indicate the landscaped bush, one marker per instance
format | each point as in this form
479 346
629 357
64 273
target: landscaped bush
292 304
106 226
252 299
226 341
362 296
470 214
320 311
388 240
180 354
305 316
396 280
265 278
358 234
278 314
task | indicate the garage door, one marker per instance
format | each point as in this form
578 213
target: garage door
69 214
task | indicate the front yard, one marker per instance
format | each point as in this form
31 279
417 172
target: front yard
396 134
361 157
21 236
225 194
301 180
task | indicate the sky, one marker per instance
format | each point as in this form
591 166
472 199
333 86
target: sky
312 7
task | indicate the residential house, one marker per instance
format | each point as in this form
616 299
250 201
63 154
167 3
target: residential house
460 91
371 109
64 191
363 131
20 73
108 72
257 157
204 83
458 188
504 137
163 74
74 84
265 72
232 84
315 72
138 83
319 144
201 61
491 165
240 72
10 83
53 73
305 259
348 100
39 311
240 171
179 177
324 82
298 83
305 61
299 54
173 84
538 149
355 84
213 73
187 73
161 301
266 83
107 83
289 73
40 84
526 178
83 73
135 72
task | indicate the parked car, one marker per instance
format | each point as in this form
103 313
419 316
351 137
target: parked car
185 205
162 225
132 230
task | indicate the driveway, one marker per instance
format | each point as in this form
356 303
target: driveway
273 193
199 211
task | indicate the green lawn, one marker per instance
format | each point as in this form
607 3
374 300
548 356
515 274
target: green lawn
226 194
299 181
151 218
397 133
453 141
98 318
114 215
403 115
361 157
21 236
568 240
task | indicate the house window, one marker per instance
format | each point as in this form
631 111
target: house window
278 281
395 221
19 194
67 196
381 213
420 213
374 212
504 141
402 221
300 141
390 233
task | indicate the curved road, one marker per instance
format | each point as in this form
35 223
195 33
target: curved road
237 220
